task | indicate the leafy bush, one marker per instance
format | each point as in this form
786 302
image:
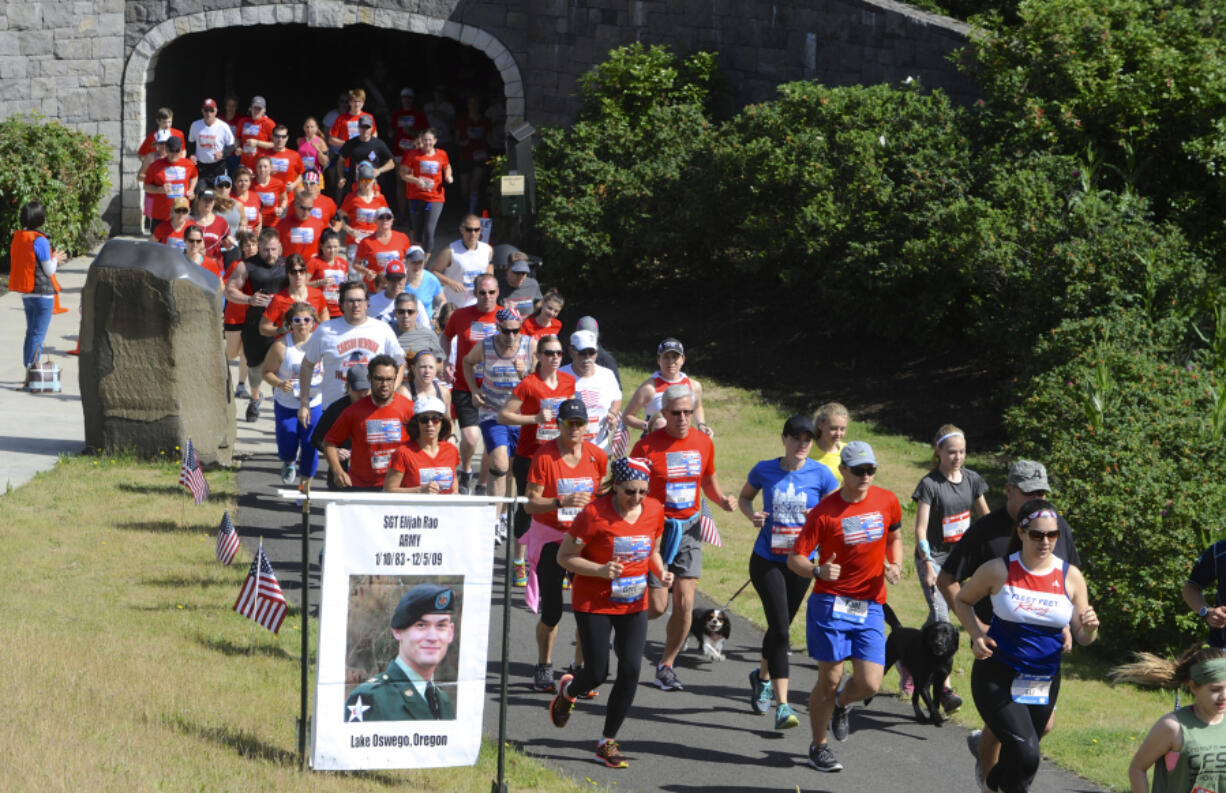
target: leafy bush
63 168
1131 432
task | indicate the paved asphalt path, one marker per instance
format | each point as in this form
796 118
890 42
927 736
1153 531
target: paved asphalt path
702 739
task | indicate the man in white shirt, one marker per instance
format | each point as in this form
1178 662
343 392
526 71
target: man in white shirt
351 339
213 141
458 265
597 387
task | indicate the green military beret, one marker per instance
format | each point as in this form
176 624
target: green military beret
422 599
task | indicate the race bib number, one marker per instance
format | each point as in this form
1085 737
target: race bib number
249 146
502 375
850 610
680 495
428 167
444 477
379 460
380 431
1031 689
954 526
386 257
783 537
628 589
581 484
302 235
366 215
549 430
683 465
279 164
250 212
175 189
267 199
859 529
308 162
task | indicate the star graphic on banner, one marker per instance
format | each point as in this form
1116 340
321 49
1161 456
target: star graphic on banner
357 709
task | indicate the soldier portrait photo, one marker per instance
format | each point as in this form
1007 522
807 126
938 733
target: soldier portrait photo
403 648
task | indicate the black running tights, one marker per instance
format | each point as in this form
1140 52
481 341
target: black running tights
782 592
629 639
1018 726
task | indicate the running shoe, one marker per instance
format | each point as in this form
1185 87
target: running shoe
500 531
542 680
566 580
479 490
666 679
289 473
241 392
574 670
521 574
785 718
906 683
253 409
950 701
760 693
561 705
822 759
972 744
839 726
610 755
463 480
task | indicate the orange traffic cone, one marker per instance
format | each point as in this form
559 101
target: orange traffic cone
57 309
77 349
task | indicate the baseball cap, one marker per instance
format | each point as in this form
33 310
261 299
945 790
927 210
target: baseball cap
407 92
181 203
209 103
161 136
366 170
670 345
583 340
385 214
366 120
358 377
1029 476
428 404
174 144
258 101
588 323
521 266
857 453
394 269
421 600
209 194
415 253
798 424
223 179
572 409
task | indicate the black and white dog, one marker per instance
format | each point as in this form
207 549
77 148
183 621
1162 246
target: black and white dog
710 628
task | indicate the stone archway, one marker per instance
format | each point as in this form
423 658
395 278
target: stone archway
314 13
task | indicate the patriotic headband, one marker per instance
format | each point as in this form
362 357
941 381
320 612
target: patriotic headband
1042 513
507 314
628 469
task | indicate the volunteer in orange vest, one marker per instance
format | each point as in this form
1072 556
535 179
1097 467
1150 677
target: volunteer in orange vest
33 265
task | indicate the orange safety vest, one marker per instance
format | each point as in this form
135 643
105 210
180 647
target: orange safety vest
22 261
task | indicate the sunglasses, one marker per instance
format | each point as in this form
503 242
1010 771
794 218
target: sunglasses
552 353
384 217
634 491
406 312
178 211
194 241
681 412
574 424
488 292
863 471
302 320
280 136
508 331
429 419
587 353
1037 535
477 230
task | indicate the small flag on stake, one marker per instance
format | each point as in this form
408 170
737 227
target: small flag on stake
707 527
260 599
191 476
227 540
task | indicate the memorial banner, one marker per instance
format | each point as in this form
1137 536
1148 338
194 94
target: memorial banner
404 621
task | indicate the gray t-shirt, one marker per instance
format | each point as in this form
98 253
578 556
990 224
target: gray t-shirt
524 298
949 506
417 339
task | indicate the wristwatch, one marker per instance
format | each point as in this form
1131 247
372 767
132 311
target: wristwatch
1203 611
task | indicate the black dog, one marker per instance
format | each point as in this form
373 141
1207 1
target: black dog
710 628
928 654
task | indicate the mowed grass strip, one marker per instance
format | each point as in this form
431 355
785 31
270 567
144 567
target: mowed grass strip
1098 725
126 668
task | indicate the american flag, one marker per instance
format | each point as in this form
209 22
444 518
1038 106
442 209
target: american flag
621 441
707 527
260 599
227 539
191 476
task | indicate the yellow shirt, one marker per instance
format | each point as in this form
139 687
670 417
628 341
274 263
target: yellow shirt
831 460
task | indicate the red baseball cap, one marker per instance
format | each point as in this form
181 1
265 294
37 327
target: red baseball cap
394 268
209 103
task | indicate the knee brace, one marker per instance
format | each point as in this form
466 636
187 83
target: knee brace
497 472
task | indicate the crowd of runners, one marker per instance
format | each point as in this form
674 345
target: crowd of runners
398 361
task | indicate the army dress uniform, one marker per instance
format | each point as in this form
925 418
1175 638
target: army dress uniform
392 696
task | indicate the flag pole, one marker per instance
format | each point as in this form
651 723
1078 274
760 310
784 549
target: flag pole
500 783
255 604
306 617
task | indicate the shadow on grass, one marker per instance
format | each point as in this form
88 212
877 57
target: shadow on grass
188 581
161 527
229 648
170 490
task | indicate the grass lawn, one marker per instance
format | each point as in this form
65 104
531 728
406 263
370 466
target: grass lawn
125 666
1098 725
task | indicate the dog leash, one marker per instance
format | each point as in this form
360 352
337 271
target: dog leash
739 591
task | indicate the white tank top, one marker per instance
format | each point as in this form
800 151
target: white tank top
465 266
500 375
660 384
290 365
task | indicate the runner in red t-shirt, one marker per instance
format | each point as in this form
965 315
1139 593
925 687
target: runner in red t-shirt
856 530
346 124
380 249
564 476
271 193
297 291
324 207
682 463
544 321
424 170
409 122
170 232
611 547
171 177
329 269
300 232
375 425
468 326
247 199
427 462
360 208
286 163
194 238
255 133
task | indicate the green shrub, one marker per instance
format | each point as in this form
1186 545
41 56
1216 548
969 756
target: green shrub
63 168
1132 435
